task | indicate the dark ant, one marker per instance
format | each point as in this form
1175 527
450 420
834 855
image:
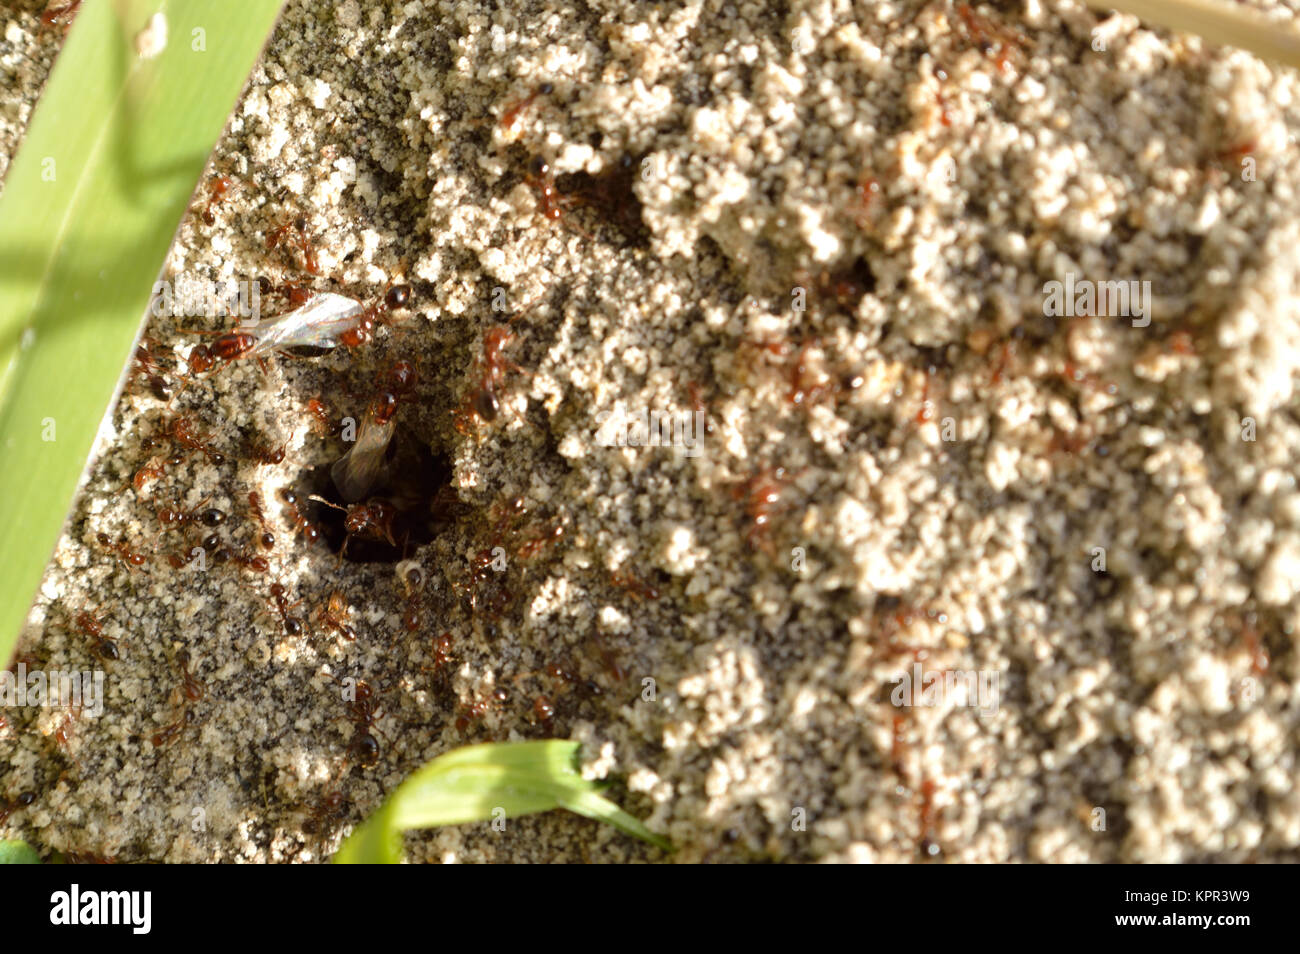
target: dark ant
335 615
299 225
266 539
182 431
128 557
615 671
292 624
300 523
482 401
217 190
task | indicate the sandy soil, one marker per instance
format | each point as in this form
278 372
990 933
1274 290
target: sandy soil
828 227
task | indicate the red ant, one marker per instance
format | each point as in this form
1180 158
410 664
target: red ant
216 193
265 454
638 589
511 116
616 672
534 545
395 297
91 626
292 624
170 733
369 521
411 617
63 13
479 708
989 37
128 557
258 564
211 517
299 225
7 807
482 401
335 615
191 688
441 647
182 431
322 421
300 523
267 538
761 494
148 366
364 712
329 808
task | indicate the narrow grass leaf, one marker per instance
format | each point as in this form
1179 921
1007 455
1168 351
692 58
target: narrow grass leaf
90 205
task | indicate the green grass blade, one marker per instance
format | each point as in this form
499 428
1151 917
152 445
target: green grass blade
90 206
18 853
473 783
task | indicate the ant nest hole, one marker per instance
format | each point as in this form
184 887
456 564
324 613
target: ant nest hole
415 481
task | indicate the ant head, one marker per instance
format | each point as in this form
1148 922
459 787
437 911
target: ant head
538 166
397 296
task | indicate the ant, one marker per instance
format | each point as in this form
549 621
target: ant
300 523
292 624
91 626
148 366
989 37
329 808
364 712
267 538
191 688
63 13
128 557
335 615
534 545
322 420
182 431
395 297
258 564
299 225
634 586
7 807
266 454
369 521
482 401
211 517
510 118
171 732
761 494
411 618
441 647
216 193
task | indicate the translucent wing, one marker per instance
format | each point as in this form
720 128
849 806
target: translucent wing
316 324
356 471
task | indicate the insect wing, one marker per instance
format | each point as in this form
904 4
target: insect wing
316 324
356 471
